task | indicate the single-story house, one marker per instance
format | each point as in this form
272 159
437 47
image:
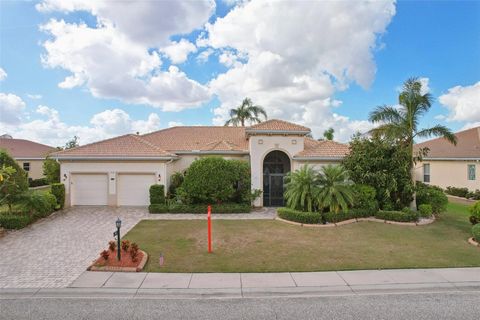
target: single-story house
119 171
449 165
28 154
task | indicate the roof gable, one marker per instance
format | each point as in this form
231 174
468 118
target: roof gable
275 126
323 149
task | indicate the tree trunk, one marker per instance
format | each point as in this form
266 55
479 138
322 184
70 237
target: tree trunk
413 204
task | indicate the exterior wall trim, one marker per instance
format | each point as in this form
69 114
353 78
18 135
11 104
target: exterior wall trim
280 132
451 159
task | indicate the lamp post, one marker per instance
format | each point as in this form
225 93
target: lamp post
116 234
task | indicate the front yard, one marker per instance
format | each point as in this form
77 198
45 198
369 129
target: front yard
273 246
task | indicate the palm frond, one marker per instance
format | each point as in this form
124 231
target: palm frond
438 131
386 114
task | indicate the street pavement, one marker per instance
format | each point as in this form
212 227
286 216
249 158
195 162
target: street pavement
430 305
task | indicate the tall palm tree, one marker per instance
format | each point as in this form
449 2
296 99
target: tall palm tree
335 192
400 124
302 187
247 111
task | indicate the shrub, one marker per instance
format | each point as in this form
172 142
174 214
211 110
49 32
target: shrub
459 192
425 210
474 195
200 208
398 216
157 194
14 221
134 251
475 213
216 180
58 190
32 183
51 171
364 197
347 215
111 245
476 232
432 195
125 245
176 181
105 254
299 216
38 204
15 184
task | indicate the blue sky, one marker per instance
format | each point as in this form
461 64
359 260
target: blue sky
249 56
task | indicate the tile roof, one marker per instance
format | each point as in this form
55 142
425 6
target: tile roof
468 145
277 125
20 148
126 146
323 149
200 138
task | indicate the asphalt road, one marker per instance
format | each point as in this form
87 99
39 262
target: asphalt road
447 305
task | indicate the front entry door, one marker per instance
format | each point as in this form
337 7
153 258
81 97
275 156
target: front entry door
276 190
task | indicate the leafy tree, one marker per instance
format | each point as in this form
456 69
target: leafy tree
51 170
382 165
336 192
328 134
176 181
73 143
400 124
247 111
302 187
14 183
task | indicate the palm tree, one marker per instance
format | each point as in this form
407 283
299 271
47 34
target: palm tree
302 187
400 124
336 192
247 111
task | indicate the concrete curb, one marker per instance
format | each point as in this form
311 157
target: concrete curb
350 221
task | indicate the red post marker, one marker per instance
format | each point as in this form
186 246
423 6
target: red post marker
209 218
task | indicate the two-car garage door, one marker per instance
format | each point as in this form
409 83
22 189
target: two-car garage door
92 189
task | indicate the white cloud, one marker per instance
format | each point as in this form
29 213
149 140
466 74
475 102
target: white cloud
150 23
11 108
178 52
463 103
112 66
203 56
3 74
298 56
175 124
51 130
425 85
34 96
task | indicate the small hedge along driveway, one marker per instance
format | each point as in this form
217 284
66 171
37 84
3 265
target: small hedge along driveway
274 246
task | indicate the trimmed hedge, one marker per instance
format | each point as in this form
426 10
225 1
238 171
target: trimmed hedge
398 216
37 182
200 208
14 221
432 195
58 190
476 232
425 210
157 194
459 192
347 215
299 216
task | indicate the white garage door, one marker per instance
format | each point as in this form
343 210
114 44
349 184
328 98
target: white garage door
133 189
89 189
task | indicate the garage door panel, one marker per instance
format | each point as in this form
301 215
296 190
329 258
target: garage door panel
90 189
133 189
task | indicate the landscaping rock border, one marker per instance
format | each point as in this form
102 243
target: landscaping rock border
341 223
122 269
473 242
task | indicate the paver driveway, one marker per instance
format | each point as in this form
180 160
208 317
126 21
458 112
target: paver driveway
36 256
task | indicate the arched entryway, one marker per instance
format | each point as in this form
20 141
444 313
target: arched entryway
275 166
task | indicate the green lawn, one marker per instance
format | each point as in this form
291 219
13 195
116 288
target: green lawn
273 246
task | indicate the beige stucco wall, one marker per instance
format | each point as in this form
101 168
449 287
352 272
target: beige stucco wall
450 173
112 168
36 168
261 145
317 165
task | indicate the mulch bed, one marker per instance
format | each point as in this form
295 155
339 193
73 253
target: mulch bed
125 264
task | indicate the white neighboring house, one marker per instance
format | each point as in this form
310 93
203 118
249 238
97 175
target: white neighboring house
119 171
450 165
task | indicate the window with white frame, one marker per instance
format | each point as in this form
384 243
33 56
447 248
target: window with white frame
426 172
471 172
26 166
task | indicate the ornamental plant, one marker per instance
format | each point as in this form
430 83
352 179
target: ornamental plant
125 245
105 254
475 213
476 232
111 245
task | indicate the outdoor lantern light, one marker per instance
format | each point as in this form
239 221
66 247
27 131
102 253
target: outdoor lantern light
116 235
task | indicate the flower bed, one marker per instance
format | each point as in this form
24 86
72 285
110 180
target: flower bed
132 259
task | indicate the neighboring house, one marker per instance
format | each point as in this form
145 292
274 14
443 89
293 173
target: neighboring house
450 165
28 154
119 171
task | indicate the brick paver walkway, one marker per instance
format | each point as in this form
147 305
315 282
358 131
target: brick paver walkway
54 251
